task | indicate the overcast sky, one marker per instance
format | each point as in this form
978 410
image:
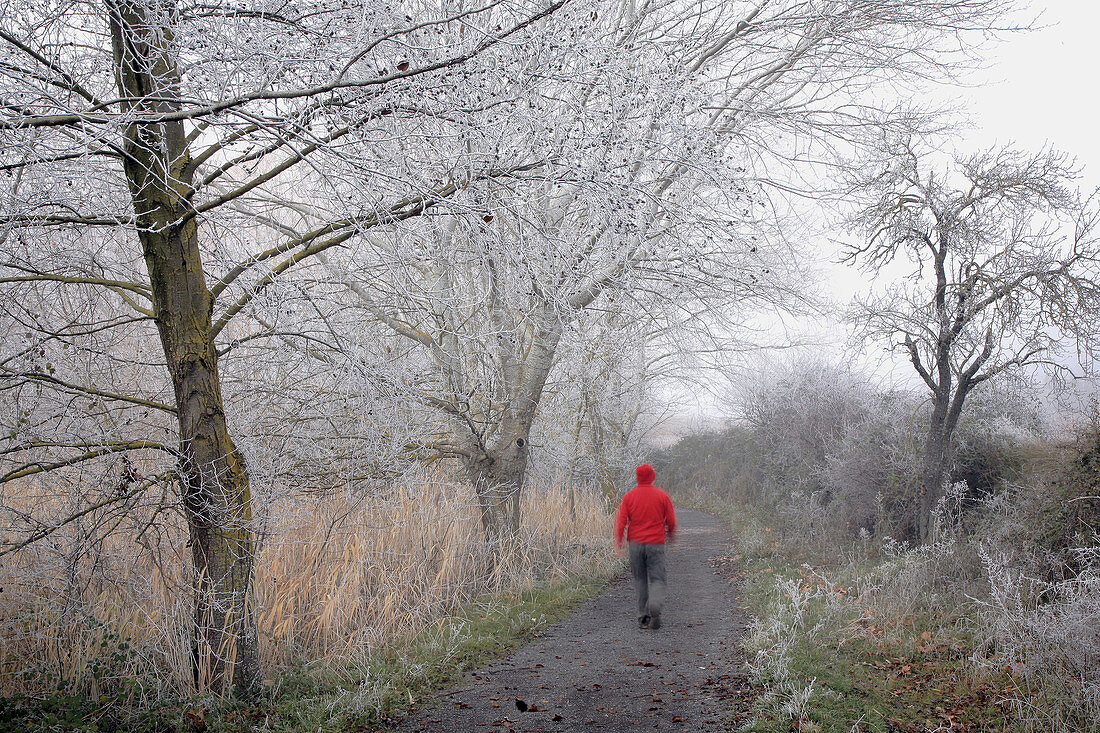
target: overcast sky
1041 86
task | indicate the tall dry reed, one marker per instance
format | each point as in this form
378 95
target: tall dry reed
106 608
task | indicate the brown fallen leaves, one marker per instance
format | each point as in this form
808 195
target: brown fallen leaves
939 692
196 718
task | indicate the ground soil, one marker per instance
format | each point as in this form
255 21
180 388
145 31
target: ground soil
598 671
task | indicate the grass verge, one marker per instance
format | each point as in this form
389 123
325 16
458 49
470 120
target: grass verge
839 648
363 692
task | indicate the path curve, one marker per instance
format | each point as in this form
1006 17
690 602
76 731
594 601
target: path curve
596 670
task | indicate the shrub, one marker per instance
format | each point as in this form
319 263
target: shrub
1049 634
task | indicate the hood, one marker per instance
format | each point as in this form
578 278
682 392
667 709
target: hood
646 474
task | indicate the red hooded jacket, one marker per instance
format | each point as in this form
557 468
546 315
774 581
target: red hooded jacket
645 512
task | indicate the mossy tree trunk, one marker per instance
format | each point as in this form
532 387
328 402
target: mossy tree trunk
212 472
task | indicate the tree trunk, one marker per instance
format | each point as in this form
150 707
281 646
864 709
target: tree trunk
216 494
946 410
497 477
497 471
934 468
571 471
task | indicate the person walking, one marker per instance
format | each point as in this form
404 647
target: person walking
644 513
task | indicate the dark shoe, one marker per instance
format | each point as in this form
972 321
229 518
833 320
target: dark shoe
655 622
643 622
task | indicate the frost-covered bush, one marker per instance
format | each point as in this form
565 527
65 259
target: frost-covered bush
808 521
836 454
772 637
798 419
872 472
1049 634
937 579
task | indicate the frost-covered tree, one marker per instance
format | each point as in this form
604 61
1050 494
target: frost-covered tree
664 129
1000 258
156 153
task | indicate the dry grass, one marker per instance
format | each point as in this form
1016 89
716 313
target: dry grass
105 607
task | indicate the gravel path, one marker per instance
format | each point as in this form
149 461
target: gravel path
598 671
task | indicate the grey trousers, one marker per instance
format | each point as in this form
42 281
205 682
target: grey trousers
647 565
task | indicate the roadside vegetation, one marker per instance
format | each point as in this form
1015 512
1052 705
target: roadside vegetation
365 692
993 625
355 626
